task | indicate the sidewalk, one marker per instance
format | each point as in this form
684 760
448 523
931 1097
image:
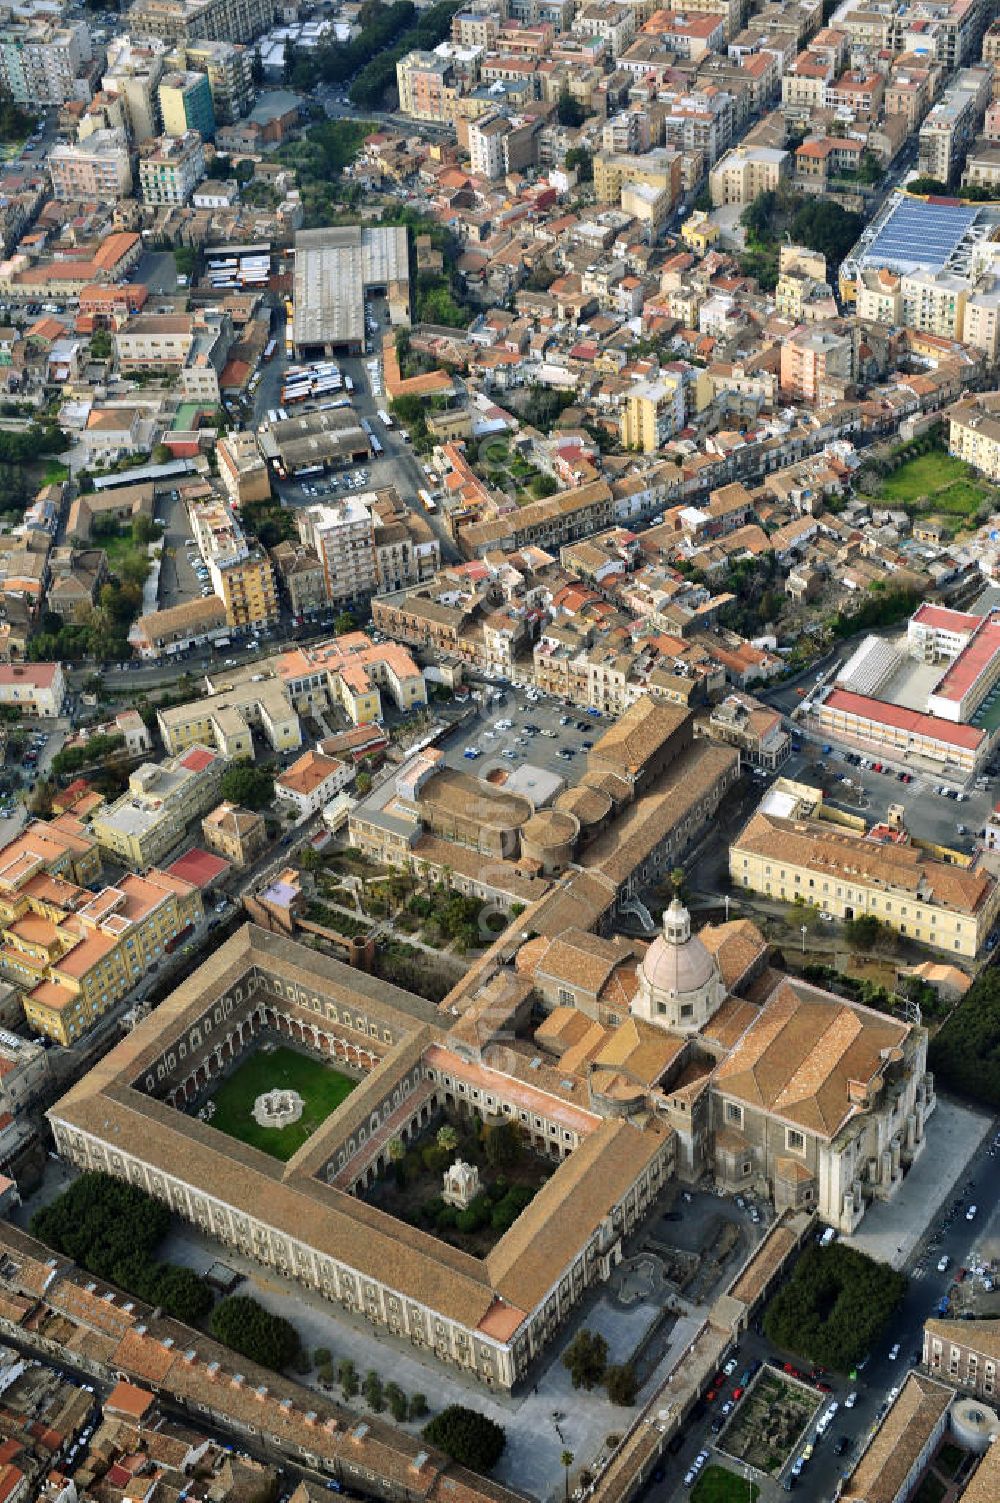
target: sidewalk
891 1230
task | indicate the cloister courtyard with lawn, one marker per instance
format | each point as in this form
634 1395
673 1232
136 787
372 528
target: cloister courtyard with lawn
276 1067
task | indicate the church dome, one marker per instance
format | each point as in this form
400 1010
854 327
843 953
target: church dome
678 968
679 981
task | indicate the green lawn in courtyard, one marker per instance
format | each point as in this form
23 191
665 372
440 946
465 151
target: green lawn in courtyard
717 1485
321 1087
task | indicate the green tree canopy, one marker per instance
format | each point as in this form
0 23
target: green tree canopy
253 787
569 110
586 1359
834 1306
965 1054
467 1436
244 1324
581 160
622 1384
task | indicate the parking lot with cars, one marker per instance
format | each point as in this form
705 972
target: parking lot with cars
525 727
943 813
951 1257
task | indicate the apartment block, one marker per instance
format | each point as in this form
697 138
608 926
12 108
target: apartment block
133 72
241 468
202 20
816 364
654 412
614 24
154 341
974 432
97 168
953 123
428 88
78 960
186 104
41 60
628 131
746 171
246 588
342 535
499 144
171 167
658 170
153 814
934 302
229 70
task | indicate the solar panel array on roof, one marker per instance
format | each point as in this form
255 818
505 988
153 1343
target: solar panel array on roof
920 235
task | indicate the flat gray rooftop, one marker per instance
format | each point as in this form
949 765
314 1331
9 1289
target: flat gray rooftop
333 270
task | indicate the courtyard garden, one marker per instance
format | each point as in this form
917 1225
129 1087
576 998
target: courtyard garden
768 1424
928 482
321 1087
510 1175
509 471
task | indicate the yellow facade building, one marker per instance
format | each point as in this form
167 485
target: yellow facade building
247 589
699 233
653 413
75 952
659 170
800 856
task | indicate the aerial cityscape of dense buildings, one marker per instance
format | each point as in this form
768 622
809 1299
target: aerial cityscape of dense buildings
499 749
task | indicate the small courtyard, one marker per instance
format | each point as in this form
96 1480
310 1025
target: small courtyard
504 1175
276 1068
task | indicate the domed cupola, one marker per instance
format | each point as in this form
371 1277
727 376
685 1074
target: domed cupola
680 985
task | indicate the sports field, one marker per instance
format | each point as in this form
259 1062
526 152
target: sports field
321 1087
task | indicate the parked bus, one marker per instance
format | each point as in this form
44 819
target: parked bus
375 446
269 349
384 418
427 501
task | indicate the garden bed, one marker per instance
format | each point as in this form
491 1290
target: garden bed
510 1177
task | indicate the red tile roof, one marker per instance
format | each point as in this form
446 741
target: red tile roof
880 713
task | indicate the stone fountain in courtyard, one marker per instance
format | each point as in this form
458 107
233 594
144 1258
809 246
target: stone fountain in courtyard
278 1108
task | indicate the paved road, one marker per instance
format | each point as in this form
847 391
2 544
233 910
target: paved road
950 1234
398 465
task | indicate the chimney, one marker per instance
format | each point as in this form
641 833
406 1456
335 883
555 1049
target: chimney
261 1392
238 1380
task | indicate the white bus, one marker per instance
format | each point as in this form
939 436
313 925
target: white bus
427 501
384 418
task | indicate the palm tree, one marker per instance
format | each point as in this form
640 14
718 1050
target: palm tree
566 1461
396 1149
447 1138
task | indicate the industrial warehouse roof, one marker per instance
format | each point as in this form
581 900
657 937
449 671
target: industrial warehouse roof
334 268
916 234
